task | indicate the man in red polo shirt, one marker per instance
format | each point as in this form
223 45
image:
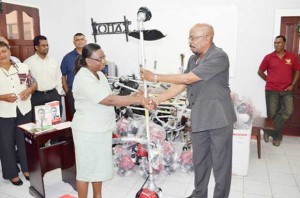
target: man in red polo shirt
282 72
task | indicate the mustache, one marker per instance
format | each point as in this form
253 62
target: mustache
196 53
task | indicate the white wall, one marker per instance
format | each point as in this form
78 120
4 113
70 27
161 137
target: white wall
167 51
255 32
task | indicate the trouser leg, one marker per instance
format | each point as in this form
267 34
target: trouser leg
9 165
202 162
279 108
221 150
71 102
212 149
286 110
20 141
273 107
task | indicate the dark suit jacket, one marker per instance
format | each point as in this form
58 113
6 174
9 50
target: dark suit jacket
210 98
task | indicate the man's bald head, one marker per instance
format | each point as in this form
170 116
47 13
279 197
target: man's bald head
201 38
205 29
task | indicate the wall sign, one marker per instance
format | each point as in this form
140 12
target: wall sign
110 28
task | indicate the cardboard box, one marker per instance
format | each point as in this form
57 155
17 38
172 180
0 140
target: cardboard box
241 151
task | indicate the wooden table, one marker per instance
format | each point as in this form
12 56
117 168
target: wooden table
42 159
261 123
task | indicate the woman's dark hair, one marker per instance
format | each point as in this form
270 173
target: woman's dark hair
3 44
87 52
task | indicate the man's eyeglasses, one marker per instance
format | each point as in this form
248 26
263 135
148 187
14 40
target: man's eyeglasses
10 74
99 59
192 38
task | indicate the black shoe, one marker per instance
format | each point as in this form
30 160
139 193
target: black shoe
266 137
26 177
17 183
276 142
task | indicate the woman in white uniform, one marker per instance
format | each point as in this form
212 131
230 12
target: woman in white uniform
16 87
94 120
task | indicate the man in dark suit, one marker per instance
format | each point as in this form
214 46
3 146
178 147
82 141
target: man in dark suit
212 113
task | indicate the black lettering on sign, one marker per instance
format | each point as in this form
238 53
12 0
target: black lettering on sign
111 28
119 29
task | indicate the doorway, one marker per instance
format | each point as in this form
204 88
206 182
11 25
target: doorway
19 24
289 30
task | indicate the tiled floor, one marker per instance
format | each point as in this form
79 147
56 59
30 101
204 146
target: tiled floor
276 175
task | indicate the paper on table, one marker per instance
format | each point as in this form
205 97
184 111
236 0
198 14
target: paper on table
32 128
63 125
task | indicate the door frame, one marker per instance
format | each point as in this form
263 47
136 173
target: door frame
290 128
282 13
20 47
